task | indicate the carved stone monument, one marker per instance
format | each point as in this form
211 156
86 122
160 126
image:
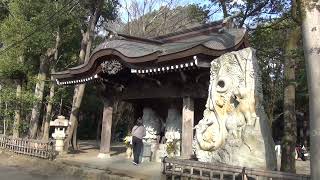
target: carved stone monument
152 124
234 129
173 129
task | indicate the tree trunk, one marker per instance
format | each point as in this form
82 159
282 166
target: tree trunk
84 57
311 46
305 129
290 123
77 98
74 138
48 116
17 111
5 119
122 115
2 109
224 8
60 106
38 93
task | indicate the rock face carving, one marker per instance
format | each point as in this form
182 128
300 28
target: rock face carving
173 129
173 124
234 129
152 123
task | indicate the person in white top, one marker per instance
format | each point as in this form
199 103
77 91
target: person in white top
138 132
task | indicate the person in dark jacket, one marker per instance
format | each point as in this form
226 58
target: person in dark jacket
138 132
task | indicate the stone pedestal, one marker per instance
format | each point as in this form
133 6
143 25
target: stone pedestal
146 152
59 144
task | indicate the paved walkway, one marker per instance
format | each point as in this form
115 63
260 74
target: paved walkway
117 164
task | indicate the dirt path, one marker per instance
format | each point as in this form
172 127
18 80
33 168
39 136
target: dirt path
16 167
21 173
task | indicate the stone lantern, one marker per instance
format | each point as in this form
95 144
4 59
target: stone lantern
59 134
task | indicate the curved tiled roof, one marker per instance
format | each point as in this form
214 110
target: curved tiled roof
142 53
134 49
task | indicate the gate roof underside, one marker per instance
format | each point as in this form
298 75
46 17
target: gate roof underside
195 47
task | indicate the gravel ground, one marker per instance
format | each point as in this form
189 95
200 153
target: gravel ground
17 167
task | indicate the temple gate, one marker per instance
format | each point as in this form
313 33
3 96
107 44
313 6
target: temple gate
168 76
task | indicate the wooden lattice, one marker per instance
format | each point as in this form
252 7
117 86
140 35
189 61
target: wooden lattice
31 147
188 169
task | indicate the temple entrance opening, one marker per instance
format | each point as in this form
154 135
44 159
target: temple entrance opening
162 119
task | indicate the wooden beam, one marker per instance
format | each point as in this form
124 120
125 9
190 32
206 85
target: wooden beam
187 127
106 129
150 90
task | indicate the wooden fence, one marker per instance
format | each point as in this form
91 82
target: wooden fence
31 147
188 169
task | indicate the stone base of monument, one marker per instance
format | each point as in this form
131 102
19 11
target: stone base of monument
159 153
145 159
103 155
146 153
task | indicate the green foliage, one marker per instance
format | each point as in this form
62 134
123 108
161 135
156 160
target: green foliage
10 103
197 13
26 18
11 67
91 110
4 9
27 30
270 44
253 13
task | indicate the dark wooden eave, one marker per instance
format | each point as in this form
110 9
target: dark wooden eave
192 47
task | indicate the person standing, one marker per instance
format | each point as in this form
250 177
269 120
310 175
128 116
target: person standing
138 132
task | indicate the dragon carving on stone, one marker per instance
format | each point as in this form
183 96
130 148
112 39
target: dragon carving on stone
234 129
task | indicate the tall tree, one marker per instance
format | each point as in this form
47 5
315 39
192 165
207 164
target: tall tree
311 46
17 117
252 13
97 9
48 116
145 21
290 123
29 31
46 59
39 91
270 54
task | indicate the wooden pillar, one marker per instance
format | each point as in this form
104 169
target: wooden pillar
187 127
106 129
